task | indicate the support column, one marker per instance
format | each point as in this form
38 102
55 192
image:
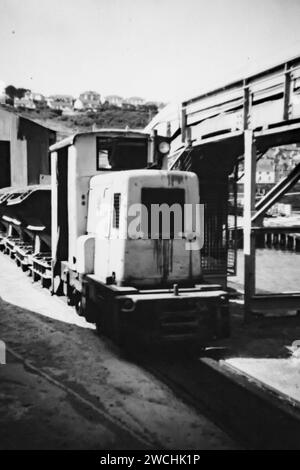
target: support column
183 124
249 211
286 93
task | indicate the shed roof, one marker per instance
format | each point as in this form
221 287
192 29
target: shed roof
6 109
103 132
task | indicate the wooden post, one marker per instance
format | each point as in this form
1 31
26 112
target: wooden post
151 147
249 211
246 105
169 133
286 93
183 124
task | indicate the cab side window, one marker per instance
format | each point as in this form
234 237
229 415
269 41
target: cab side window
116 210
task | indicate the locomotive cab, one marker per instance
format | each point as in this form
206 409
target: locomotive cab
74 161
142 229
139 277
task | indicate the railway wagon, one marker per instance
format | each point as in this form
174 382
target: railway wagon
115 262
26 219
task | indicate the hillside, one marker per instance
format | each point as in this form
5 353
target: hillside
112 117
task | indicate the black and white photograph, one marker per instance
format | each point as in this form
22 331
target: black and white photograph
149 229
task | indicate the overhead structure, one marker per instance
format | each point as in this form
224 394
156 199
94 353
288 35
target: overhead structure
211 133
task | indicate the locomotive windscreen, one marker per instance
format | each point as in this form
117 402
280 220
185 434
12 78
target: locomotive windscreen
121 153
164 212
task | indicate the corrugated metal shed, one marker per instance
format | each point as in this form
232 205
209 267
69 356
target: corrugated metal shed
24 149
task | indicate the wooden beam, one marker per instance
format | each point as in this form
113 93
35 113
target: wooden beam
249 211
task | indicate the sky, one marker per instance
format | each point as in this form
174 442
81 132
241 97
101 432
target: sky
162 50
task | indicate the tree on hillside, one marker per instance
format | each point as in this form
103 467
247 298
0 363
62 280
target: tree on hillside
14 92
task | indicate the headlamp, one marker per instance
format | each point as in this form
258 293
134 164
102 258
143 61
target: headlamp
164 147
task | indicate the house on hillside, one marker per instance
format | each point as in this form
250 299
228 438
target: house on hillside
265 175
78 105
134 101
24 150
2 93
39 100
26 102
60 102
90 99
265 171
30 100
114 100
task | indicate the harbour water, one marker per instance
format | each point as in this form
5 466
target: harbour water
276 270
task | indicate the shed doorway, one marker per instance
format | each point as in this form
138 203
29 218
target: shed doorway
5 179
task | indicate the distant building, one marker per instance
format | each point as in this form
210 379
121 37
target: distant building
285 158
26 102
265 171
38 97
151 104
39 100
2 93
282 169
275 165
114 100
134 101
90 99
155 104
24 147
60 102
78 105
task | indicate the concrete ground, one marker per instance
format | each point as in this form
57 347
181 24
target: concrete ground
63 387
261 337
280 375
265 350
36 414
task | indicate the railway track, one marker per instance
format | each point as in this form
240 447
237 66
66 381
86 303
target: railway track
252 414
143 439
46 347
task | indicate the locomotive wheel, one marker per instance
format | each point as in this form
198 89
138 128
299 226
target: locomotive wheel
85 307
78 305
71 297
